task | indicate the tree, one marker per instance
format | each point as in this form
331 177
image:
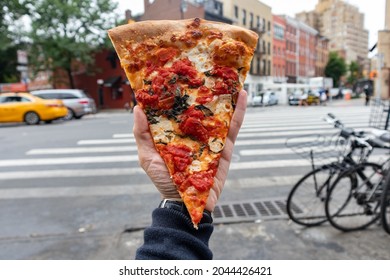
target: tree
10 12
67 32
335 68
354 72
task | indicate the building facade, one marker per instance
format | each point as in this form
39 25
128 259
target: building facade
322 55
343 24
383 79
279 49
182 9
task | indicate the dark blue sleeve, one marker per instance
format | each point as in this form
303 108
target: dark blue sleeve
173 237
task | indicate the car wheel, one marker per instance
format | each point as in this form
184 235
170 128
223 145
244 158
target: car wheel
69 115
31 118
78 117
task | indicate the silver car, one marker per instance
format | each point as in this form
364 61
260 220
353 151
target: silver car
77 101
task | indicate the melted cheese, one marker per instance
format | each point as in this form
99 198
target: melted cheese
200 56
162 131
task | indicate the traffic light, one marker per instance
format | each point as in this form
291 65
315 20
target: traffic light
373 74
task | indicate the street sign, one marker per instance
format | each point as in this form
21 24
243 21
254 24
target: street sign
22 68
22 57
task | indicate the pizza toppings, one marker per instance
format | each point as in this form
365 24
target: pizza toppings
186 76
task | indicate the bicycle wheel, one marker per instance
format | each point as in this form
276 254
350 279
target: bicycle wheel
353 201
305 202
385 205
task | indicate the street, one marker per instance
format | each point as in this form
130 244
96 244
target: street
74 190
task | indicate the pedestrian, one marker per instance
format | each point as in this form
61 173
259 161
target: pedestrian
171 234
367 94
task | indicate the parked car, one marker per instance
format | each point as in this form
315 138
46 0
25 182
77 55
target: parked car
77 101
265 99
24 107
295 97
313 98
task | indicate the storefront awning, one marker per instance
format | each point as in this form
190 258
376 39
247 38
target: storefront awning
112 81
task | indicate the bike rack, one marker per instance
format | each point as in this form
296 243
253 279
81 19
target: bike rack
380 114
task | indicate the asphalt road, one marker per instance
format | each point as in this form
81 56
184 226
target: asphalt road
74 190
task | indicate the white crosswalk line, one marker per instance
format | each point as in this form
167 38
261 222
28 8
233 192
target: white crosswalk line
105 141
80 150
68 160
123 135
116 190
69 173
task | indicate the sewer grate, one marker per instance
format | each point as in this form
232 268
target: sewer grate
251 210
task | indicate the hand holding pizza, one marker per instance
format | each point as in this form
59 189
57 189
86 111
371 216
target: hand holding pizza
154 166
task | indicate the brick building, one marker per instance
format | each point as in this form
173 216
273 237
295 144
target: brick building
279 49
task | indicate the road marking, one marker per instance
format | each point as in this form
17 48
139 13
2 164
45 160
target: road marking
115 190
105 141
64 173
285 128
69 173
81 150
123 135
68 160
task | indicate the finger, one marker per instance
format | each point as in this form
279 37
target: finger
238 116
141 131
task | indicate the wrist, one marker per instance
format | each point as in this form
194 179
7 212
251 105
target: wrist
179 206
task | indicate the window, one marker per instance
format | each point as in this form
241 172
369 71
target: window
251 20
244 17
67 96
258 22
269 48
269 26
235 11
258 66
13 99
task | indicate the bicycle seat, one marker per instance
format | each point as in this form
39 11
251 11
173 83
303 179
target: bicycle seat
378 143
385 137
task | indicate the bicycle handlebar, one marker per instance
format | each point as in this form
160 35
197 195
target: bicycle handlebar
360 136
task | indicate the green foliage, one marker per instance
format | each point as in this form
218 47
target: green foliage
355 72
335 68
10 12
66 31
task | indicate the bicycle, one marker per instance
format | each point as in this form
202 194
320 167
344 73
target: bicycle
305 202
356 204
385 204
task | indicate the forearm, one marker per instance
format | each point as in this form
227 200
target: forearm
173 236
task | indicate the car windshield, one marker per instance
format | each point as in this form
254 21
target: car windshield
2 99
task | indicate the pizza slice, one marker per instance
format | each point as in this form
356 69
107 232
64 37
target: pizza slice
187 75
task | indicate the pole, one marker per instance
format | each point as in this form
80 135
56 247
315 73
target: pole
379 76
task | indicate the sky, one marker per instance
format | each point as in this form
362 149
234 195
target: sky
374 11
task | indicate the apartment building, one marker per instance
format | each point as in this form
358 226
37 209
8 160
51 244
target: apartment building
383 80
343 24
182 9
279 49
301 51
257 16
322 55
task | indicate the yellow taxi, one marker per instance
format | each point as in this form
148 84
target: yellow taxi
24 107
